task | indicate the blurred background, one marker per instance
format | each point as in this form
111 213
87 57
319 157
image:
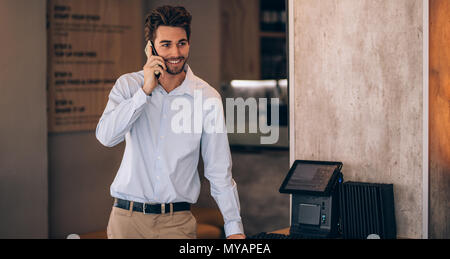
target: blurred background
231 40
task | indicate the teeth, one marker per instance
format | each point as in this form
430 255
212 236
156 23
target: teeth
175 62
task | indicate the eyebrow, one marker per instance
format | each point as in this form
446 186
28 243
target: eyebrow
169 41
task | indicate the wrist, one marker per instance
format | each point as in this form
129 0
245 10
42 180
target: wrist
237 236
147 90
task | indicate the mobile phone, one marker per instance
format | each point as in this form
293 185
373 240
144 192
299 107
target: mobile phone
154 53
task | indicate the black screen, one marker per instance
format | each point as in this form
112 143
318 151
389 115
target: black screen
310 177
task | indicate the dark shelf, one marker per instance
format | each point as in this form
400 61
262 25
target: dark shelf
272 34
273 39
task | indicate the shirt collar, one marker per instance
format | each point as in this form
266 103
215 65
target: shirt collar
188 86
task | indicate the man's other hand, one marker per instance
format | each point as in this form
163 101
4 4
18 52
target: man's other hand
237 236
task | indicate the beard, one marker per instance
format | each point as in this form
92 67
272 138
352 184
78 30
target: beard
179 67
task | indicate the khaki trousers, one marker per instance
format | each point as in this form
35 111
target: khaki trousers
128 224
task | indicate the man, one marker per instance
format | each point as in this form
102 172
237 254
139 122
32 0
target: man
158 178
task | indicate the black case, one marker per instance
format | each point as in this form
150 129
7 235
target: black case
368 208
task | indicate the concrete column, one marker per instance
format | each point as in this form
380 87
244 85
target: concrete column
358 94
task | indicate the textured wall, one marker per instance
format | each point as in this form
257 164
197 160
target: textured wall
23 128
358 94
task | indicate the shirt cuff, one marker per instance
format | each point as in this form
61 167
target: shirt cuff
234 227
139 98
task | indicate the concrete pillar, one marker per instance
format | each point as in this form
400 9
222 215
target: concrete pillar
358 94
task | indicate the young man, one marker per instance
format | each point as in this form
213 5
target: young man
158 178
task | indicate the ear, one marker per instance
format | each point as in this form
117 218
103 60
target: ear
147 47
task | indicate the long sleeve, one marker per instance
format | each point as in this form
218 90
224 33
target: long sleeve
123 108
217 161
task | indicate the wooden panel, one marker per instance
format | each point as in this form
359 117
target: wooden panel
90 44
439 119
240 56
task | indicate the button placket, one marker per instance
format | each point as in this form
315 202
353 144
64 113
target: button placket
160 145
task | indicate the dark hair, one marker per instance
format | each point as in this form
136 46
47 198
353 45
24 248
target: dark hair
167 15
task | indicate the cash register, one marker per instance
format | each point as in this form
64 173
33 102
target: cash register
324 207
314 186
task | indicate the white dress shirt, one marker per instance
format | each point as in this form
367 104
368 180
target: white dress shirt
159 164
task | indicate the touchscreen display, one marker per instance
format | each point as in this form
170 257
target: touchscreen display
310 177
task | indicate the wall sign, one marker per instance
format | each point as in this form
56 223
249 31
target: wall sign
90 44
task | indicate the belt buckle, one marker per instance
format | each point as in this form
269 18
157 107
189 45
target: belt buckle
144 206
163 208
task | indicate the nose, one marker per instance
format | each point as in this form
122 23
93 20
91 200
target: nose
175 52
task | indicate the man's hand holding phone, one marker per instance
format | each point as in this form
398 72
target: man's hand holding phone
154 65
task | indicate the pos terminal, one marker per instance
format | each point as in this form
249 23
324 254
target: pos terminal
314 186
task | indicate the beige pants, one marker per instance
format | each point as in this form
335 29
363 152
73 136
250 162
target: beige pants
128 224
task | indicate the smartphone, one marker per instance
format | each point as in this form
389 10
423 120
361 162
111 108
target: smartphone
154 53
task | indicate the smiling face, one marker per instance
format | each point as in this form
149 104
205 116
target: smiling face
172 45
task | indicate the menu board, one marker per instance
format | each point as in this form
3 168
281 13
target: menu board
90 44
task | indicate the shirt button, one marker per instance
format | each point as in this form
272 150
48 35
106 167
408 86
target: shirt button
157 177
159 158
162 137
